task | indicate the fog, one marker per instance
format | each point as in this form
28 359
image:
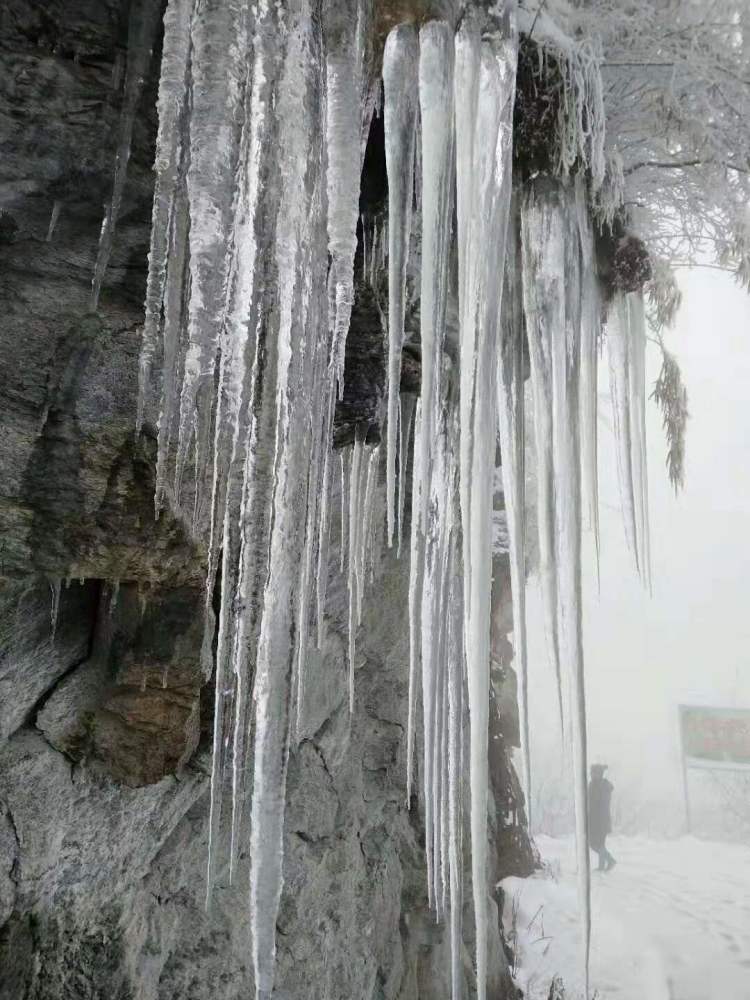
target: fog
687 642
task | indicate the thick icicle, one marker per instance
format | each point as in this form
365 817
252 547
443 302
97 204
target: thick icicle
484 186
234 466
436 108
510 411
400 64
590 333
537 282
302 333
173 95
218 67
345 93
552 299
144 22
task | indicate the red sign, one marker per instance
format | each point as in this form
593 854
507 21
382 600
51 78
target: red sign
715 737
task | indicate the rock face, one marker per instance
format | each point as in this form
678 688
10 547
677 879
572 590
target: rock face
105 708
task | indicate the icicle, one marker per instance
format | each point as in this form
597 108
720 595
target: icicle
510 396
405 420
114 595
637 351
218 68
321 582
318 433
590 332
552 299
175 297
169 154
54 611
144 21
302 333
345 461
345 93
416 586
455 657
53 219
355 526
400 63
367 522
485 80
538 290
436 105
618 350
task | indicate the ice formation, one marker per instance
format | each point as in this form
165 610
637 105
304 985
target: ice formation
259 154
144 21
626 347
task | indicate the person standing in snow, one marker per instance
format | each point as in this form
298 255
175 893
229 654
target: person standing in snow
600 818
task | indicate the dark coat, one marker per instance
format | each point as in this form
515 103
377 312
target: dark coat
600 819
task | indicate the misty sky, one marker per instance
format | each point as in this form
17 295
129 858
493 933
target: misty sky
690 641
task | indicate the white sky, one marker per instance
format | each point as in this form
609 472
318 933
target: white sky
690 641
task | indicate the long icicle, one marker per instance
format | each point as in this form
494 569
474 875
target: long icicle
400 63
416 585
637 400
552 301
455 764
489 195
566 354
590 334
618 351
436 59
536 289
510 410
302 332
173 92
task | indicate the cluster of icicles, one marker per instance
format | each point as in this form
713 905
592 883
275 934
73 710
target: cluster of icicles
262 127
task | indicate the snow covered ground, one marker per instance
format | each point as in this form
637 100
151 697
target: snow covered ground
670 922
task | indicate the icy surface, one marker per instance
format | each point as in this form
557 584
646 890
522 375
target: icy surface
669 921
